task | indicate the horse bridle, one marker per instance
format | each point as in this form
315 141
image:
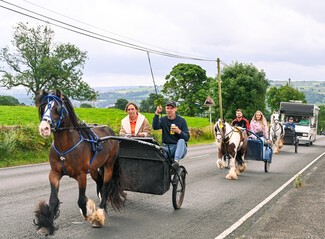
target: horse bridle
276 123
60 110
224 137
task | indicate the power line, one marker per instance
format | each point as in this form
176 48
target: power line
95 35
76 20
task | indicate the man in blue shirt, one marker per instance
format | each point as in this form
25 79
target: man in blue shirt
290 124
175 132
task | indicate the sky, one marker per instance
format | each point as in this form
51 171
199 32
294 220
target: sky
284 38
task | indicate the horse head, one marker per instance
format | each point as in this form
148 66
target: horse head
222 129
275 117
52 111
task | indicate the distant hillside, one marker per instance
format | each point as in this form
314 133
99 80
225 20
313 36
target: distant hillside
313 90
133 93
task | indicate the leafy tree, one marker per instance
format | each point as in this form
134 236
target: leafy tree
244 87
284 93
121 103
149 105
40 64
85 105
8 100
187 84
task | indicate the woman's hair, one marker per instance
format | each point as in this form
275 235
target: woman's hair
263 120
131 103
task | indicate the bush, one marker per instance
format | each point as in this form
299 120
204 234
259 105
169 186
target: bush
7 145
17 140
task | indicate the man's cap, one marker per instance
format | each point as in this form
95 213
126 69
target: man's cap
239 110
171 103
291 118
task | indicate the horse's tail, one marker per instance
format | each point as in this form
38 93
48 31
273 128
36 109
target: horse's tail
116 194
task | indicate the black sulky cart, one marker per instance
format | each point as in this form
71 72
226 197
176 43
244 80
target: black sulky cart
148 170
290 138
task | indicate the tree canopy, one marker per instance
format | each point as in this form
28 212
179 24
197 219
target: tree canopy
244 87
39 64
149 105
8 100
187 84
284 93
121 103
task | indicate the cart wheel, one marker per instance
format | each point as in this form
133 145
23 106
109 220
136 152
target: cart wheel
179 188
267 166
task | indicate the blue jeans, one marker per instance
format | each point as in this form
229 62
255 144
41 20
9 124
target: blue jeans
176 151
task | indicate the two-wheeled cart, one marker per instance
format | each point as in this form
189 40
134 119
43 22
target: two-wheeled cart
147 169
290 138
258 149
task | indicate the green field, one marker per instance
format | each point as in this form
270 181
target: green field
20 142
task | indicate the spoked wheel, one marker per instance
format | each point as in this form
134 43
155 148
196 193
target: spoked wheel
267 166
179 187
296 146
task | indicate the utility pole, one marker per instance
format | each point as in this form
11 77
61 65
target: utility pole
219 88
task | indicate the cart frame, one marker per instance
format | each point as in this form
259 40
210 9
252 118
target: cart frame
148 169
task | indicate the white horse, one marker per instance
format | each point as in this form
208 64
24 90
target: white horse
233 142
276 132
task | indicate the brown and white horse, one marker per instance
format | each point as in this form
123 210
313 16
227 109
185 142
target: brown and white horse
276 132
231 141
75 152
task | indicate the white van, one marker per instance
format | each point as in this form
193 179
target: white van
305 118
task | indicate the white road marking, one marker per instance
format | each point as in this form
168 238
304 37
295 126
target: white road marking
254 210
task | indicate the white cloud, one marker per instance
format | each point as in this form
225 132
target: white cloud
285 38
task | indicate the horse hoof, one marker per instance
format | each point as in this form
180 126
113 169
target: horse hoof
96 224
231 177
42 231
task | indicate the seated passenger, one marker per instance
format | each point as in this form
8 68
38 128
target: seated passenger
290 124
304 121
259 125
240 120
134 124
175 133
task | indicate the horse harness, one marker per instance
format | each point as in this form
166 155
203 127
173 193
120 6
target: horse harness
277 129
96 145
226 137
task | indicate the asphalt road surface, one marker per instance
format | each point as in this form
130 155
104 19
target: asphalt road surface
212 204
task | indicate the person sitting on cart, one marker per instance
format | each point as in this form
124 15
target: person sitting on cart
259 125
134 124
290 124
260 128
240 121
175 133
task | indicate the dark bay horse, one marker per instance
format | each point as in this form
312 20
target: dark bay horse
231 141
75 152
